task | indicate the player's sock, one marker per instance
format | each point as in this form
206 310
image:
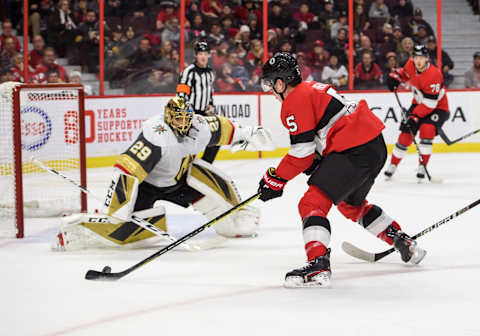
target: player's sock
376 221
426 146
315 273
400 148
407 247
316 235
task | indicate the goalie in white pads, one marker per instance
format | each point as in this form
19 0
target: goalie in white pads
161 165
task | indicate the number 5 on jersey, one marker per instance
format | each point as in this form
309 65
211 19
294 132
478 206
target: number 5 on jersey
292 123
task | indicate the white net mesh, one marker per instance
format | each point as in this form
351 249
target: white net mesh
50 133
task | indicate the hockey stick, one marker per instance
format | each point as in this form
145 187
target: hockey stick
422 162
135 219
358 253
450 142
106 273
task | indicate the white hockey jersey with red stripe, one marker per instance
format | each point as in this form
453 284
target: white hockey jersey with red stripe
428 91
320 120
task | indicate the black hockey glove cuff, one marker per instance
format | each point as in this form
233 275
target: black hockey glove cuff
271 186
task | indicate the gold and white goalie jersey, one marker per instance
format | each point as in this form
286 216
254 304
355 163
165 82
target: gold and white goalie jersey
162 159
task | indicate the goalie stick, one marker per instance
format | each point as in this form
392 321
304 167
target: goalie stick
358 253
106 273
422 162
135 219
450 142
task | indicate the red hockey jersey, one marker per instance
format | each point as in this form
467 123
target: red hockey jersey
428 90
319 119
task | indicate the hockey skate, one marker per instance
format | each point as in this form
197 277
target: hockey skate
421 174
406 246
390 171
316 273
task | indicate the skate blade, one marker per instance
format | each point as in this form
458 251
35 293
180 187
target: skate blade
417 257
321 281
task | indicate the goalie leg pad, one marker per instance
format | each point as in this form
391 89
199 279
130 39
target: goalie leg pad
220 195
121 195
81 231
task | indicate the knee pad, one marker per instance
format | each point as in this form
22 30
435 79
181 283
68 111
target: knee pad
220 195
81 231
314 203
427 131
405 139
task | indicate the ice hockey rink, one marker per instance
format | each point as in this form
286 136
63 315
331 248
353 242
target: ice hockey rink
237 287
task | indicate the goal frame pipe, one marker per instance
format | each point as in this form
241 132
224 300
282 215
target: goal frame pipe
83 147
17 153
17 148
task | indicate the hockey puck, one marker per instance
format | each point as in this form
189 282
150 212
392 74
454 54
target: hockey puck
107 269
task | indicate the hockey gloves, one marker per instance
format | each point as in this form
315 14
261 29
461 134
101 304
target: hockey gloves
412 123
271 186
393 81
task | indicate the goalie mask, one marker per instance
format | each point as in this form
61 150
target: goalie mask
179 116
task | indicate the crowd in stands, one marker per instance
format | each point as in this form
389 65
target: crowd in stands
142 40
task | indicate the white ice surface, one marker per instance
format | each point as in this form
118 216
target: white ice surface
236 289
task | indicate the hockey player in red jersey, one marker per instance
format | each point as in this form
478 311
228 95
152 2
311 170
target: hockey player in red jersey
339 143
428 112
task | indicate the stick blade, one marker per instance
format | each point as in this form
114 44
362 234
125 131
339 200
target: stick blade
355 252
102 276
436 180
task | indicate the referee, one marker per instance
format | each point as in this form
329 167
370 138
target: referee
196 86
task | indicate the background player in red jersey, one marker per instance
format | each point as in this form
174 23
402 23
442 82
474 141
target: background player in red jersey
428 112
346 138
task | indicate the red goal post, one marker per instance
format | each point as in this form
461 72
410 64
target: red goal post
46 122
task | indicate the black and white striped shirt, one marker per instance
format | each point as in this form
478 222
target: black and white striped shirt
196 86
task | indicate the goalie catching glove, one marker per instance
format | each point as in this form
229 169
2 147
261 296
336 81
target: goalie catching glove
252 139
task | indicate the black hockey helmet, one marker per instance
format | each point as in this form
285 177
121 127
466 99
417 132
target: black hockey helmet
282 66
420 50
201 46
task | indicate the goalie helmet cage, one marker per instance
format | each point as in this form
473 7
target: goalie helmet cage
46 122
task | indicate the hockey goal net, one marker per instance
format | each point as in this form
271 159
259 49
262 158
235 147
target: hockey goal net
45 122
